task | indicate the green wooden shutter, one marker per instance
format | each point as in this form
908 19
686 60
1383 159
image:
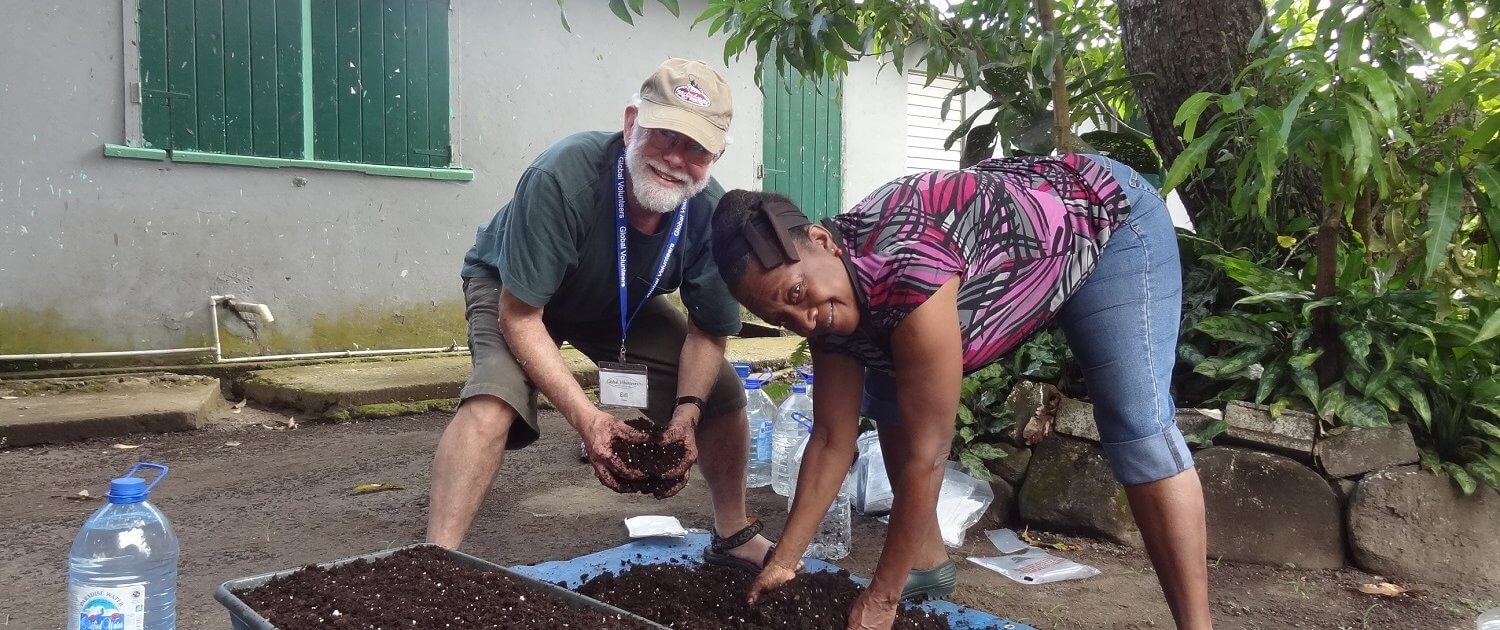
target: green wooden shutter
380 81
222 76
803 141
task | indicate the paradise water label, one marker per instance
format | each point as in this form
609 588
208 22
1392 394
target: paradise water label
114 608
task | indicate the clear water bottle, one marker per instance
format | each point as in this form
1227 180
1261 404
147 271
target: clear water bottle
835 534
122 568
793 421
1490 620
761 413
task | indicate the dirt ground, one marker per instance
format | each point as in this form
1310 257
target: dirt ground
282 498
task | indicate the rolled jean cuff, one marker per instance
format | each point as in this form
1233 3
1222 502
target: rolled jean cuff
1151 458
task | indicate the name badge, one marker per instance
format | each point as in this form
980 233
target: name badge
622 384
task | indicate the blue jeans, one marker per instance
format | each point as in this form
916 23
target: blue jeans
1122 327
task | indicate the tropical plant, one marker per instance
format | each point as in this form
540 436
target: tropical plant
1404 363
983 419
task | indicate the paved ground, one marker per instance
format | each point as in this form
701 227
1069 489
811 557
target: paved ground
281 498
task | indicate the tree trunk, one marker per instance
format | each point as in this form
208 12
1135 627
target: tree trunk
1184 47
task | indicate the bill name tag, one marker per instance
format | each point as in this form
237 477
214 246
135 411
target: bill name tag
622 384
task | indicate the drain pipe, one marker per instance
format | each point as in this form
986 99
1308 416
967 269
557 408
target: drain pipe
229 301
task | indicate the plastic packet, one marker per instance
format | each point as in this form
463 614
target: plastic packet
1035 566
649 526
872 487
961 502
1006 541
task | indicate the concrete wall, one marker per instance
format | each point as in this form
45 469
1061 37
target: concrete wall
116 254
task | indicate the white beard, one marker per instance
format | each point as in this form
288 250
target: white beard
650 193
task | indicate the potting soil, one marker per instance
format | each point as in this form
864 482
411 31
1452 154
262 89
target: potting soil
416 588
708 597
653 457
688 551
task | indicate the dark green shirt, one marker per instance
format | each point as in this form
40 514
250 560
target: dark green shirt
553 245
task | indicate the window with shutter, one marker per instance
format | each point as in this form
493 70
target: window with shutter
317 83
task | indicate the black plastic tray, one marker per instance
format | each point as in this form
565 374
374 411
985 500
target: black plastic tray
244 618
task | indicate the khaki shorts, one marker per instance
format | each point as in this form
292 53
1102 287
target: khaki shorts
656 339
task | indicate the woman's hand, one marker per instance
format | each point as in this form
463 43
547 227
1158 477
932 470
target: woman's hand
771 578
873 612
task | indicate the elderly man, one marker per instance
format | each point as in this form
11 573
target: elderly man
601 225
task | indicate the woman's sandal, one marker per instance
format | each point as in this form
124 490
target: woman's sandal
717 552
937 582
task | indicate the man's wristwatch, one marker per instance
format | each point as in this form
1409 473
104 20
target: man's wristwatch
692 400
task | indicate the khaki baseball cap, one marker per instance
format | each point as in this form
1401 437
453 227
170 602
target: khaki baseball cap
688 97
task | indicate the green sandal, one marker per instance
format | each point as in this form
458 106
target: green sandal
935 583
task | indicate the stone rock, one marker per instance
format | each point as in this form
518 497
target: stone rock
1028 404
1002 511
1076 418
1292 434
1069 488
1358 451
1195 420
1268 509
1012 467
1412 525
1345 488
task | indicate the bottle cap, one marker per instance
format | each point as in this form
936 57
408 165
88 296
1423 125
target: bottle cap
741 368
799 388
133 489
127 490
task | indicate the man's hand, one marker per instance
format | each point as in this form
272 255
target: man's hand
682 429
772 577
599 431
873 612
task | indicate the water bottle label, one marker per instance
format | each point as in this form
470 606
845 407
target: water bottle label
763 442
114 608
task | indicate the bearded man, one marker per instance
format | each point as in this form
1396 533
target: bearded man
600 227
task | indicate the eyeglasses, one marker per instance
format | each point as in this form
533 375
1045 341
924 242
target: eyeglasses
692 153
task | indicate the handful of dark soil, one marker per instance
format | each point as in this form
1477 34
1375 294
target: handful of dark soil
709 597
653 458
417 588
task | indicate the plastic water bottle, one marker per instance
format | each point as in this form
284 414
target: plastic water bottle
1490 620
792 422
761 413
835 534
122 568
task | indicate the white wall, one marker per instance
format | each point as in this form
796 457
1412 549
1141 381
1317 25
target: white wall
110 254
874 128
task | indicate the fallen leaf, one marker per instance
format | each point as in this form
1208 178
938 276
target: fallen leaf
282 425
237 407
127 447
367 488
1384 589
231 444
83 495
291 423
1037 541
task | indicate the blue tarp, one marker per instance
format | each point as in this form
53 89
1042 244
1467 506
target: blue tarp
571 573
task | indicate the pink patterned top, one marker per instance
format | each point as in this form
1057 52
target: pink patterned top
1021 233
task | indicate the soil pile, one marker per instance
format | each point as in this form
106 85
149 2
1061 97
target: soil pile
416 588
653 457
709 597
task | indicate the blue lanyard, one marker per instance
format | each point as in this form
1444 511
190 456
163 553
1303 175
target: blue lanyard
620 236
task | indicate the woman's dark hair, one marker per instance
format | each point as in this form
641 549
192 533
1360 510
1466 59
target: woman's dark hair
732 247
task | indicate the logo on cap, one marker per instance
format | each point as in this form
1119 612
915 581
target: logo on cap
691 95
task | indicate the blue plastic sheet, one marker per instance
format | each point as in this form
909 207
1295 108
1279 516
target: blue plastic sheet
689 550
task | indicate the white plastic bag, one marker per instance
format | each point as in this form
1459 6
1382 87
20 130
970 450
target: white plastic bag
648 526
1006 541
961 502
872 487
1035 566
